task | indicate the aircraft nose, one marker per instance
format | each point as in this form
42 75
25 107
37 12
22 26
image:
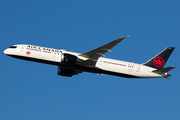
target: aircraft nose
5 51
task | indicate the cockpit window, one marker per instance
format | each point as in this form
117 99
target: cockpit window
13 47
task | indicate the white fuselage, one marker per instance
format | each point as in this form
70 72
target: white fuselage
103 65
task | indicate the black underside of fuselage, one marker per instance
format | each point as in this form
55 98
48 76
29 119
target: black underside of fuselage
74 67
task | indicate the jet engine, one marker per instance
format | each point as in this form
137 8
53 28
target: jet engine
69 59
66 72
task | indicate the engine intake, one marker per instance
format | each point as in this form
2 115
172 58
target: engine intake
69 59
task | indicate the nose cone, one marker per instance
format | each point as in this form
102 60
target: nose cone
5 51
8 51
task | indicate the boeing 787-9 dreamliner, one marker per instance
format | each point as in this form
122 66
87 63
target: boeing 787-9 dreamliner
71 63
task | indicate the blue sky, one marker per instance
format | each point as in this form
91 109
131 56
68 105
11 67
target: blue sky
31 90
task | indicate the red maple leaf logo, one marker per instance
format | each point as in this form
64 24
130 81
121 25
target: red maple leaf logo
158 62
28 52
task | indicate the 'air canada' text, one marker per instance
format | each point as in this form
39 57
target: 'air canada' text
42 49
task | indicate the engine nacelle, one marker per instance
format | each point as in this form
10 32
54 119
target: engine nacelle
68 59
66 72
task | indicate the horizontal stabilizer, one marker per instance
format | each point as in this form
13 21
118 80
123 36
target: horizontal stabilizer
163 70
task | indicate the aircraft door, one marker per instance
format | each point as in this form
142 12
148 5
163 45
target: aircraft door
131 67
137 68
100 62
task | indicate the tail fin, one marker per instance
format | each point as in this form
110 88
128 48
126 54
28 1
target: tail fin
160 59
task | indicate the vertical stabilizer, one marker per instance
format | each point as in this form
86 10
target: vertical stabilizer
160 59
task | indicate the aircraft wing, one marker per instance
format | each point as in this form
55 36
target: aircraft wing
93 55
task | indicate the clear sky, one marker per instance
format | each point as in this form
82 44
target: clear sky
34 91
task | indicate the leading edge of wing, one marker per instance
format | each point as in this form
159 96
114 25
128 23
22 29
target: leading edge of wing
100 51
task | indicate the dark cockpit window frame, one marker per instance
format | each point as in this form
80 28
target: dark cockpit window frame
13 47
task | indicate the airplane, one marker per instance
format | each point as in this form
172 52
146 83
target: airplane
71 63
